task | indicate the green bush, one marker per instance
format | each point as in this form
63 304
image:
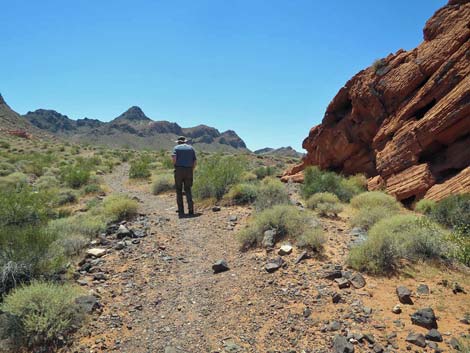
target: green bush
271 192
312 239
398 237
75 176
40 313
46 182
140 169
453 212
163 183
371 207
119 207
6 169
241 194
92 189
216 174
287 220
425 206
4 145
87 225
14 180
461 244
167 162
325 203
316 180
65 197
264 171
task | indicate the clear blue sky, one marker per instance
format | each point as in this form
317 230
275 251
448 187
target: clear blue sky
264 68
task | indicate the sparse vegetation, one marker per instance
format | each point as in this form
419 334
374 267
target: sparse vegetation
75 176
270 192
140 169
38 314
425 206
163 183
371 207
453 212
119 207
287 221
325 203
316 180
216 174
242 194
399 237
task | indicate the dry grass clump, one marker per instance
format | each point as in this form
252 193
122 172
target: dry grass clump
371 207
325 203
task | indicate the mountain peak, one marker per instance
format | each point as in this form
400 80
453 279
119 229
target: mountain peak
2 101
133 114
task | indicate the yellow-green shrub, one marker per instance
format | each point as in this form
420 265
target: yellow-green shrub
325 203
119 207
271 192
163 183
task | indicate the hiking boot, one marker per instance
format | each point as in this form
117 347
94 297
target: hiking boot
191 212
180 214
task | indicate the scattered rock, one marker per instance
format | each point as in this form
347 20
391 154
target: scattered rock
424 318
334 274
233 218
307 312
124 232
220 266
357 281
274 265
434 335
342 283
423 289
455 344
416 339
269 238
87 303
303 255
337 298
342 345
216 209
286 249
120 245
96 252
457 288
396 309
404 295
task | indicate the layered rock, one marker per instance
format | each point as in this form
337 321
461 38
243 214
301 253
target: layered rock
405 121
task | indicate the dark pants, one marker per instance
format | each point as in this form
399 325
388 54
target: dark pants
184 179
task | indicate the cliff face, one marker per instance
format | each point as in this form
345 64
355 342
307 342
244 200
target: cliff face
405 121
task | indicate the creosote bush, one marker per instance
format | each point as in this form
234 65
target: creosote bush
325 203
163 183
269 193
140 169
215 175
119 207
38 314
288 221
399 237
453 212
241 194
316 180
75 176
425 206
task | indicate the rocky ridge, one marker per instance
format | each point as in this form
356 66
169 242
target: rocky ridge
405 121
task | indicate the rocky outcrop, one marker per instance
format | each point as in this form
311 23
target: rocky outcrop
405 121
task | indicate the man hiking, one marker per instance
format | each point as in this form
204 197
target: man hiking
184 160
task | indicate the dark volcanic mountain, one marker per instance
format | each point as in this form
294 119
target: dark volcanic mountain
133 129
282 152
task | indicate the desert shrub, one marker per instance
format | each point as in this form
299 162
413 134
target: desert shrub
378 65
87 225
167 162
287 220
325 203
316 180
140 169
4 145
248 177
271 192
92 189
75 176
38 314
72 244
6 169
312 239
425 206
65 197
119 207
163 183
46 182
264 171
461 244
453 212
371 207
398 237
24 254
216 174
241 194
14 180
21 206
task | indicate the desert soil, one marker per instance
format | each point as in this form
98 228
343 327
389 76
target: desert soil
159 294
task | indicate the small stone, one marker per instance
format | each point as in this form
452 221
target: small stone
423 289
274 265
87 303
404 295
396 309
334 326
457 288
342 345
96 252
357 281
286 249
424 318
416 339
307 312
342 283
233 218
434 335
269 238
454 343
331 275
378 348
302 256
123 232
337 298
120 245
215 209
220 266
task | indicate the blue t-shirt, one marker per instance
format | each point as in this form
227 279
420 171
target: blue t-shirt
185 155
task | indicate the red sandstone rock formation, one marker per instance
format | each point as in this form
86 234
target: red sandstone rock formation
405 121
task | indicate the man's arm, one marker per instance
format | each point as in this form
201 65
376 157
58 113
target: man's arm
173 156
194 159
